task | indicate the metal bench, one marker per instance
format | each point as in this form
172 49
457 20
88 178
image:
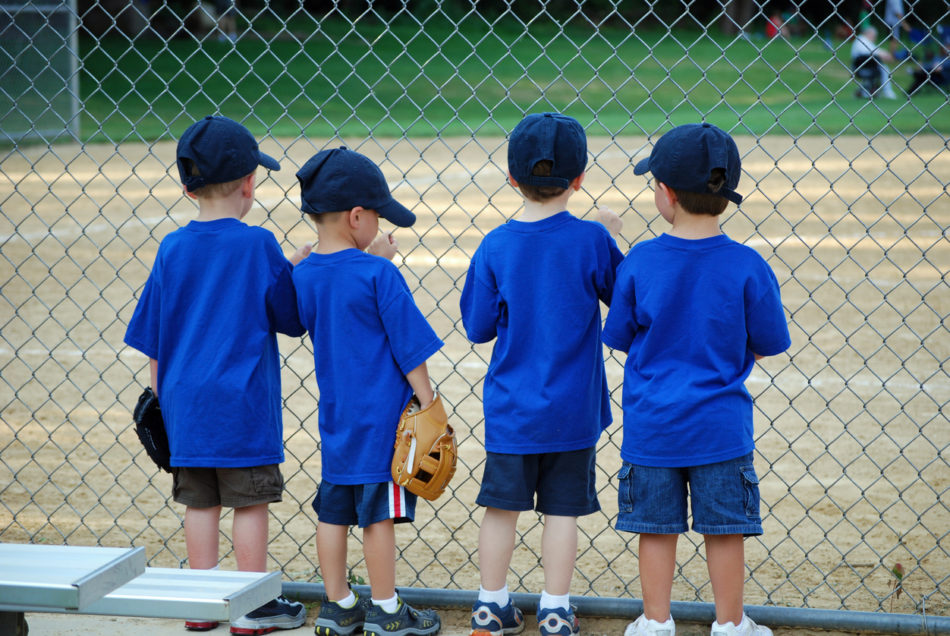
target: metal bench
115 582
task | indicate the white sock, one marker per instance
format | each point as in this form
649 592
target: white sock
498 597
348 602
736 626
552 601
389 605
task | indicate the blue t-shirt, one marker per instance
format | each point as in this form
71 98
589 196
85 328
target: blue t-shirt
691 315
367 334
218 292
537 287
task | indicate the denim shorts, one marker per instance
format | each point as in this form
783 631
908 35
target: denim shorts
564 482
232 487
363 504
724 498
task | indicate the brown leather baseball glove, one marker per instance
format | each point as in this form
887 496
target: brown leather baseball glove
425 452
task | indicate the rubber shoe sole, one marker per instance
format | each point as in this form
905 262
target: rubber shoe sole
200 626
269 624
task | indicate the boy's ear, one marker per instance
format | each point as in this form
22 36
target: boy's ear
667 192
188 193
247 186
576 183
353 217
511 180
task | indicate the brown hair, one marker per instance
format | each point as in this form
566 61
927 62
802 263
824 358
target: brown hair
705 203
323 217
541 193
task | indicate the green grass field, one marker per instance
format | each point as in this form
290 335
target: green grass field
448 80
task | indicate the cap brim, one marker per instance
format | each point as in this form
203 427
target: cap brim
642 167
267 161
396 213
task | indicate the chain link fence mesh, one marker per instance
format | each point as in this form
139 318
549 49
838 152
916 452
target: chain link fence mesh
848 202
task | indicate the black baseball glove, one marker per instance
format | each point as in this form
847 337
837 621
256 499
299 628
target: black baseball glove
150 427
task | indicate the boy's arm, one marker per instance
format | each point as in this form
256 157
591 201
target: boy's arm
153 374
301 253
609 219
383 245
419 381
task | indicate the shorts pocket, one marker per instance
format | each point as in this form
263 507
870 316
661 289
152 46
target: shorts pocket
267 481
750 486
625 488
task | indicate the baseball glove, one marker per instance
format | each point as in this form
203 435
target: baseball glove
150 427
425 451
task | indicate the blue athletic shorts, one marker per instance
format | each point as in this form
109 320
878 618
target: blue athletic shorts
364 504
564 482
724 498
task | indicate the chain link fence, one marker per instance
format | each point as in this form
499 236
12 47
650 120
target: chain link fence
846 198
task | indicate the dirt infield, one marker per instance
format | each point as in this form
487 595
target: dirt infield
851 422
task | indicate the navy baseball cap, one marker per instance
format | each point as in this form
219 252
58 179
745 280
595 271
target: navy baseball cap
340 179
547 136
222 149
685 157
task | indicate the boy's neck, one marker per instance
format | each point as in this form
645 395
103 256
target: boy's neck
332 238
540 210
215 209
693 226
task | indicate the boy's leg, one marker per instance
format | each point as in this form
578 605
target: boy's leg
331 554
558 553
342 611
725 558
250 490
657 566
249 535
379 550
496 545
381 507
201 536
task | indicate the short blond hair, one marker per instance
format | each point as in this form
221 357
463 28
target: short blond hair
213 190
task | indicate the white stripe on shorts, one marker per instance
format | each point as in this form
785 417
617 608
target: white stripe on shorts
397 501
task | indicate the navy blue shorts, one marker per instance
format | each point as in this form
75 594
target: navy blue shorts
363 504
724 498
564 482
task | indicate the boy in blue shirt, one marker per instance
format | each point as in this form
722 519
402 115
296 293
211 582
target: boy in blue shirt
370 346
535 285
693 310
217 295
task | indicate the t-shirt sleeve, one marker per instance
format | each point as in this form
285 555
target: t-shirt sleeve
621 324
142 333
411 338
481 304
765 316
281 295
608 273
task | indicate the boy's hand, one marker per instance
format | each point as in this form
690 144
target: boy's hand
301 253
383 245
609 219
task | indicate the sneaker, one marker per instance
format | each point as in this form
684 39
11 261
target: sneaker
200 626
746 627
490 619
403 622
644 626
277 614
335 620
558 622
